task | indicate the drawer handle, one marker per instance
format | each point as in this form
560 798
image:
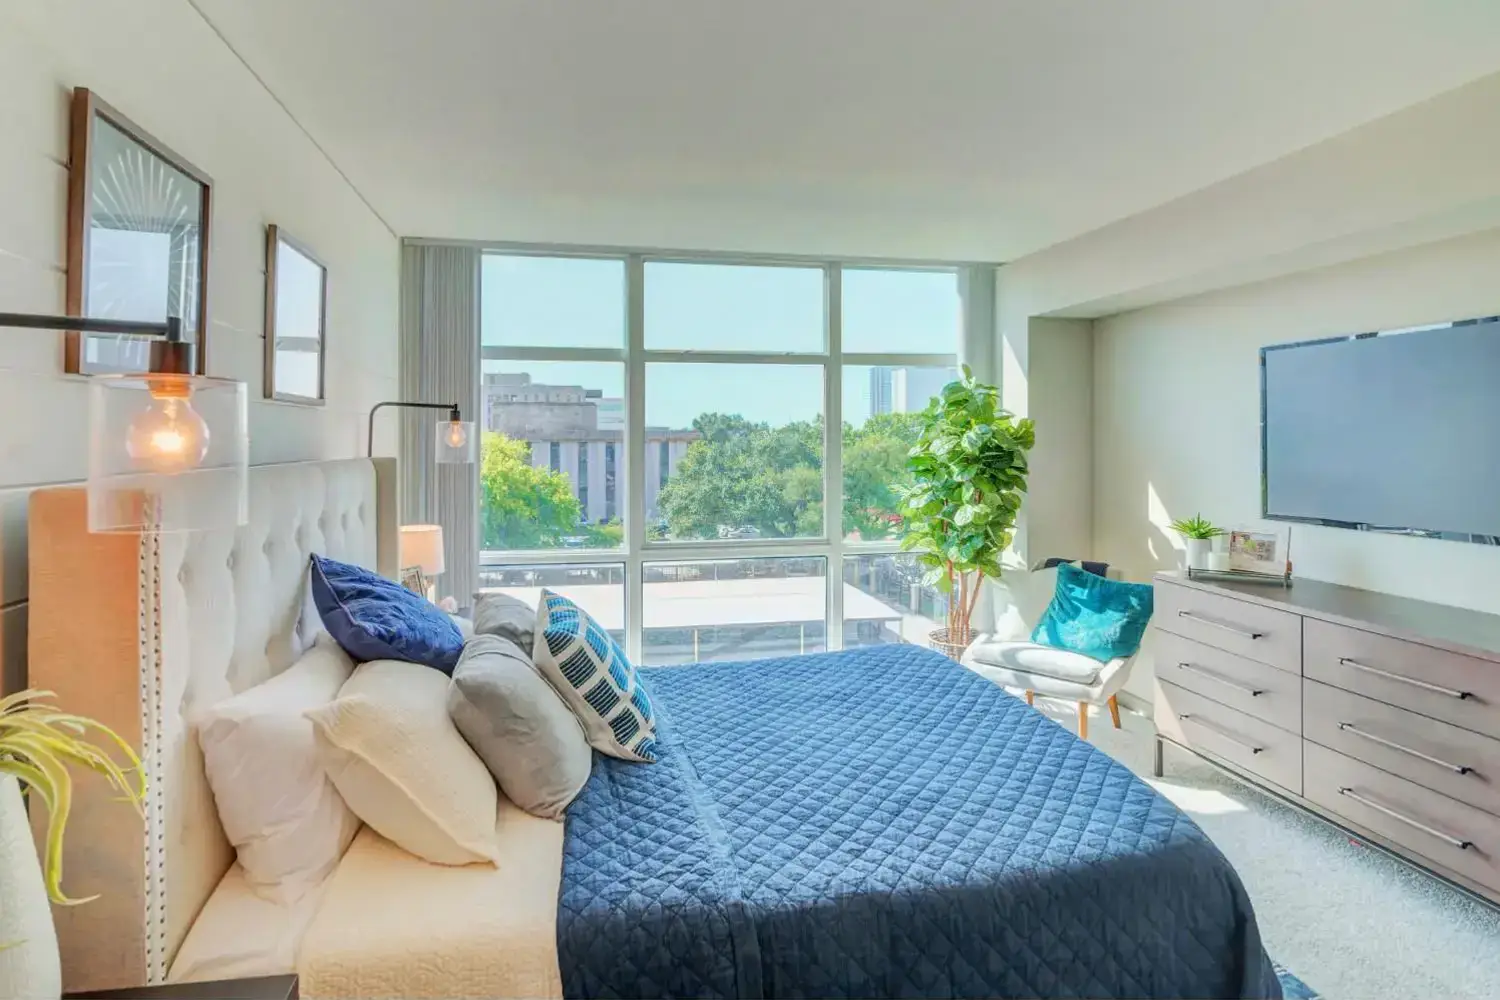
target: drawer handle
1349 727
1224 733
1193 668
1218 624
1447 838
1424 685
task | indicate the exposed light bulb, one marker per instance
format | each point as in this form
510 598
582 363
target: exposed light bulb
168 436
457 435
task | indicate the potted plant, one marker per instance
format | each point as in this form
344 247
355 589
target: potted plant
37 743
1199 533
968 471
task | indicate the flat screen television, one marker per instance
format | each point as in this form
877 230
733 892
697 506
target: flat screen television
1396 431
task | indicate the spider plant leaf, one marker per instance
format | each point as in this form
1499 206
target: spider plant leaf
37 742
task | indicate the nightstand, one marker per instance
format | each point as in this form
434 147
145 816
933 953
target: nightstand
256 988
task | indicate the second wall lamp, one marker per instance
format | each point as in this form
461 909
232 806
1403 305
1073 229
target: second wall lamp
456 443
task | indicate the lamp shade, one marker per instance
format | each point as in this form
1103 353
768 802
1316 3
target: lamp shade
167 453
422 545
456 444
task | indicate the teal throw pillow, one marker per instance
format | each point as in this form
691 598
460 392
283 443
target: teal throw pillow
1095 616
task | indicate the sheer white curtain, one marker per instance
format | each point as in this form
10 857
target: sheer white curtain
440 364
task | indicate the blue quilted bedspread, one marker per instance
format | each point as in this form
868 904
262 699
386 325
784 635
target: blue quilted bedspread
883 822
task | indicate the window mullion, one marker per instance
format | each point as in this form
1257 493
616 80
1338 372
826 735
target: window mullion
833 458
635 453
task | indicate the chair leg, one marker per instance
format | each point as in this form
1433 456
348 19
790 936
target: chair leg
1083 720
1031 697
1114 711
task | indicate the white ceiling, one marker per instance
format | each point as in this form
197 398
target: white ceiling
957 129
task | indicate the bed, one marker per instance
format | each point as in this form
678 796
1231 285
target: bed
868 823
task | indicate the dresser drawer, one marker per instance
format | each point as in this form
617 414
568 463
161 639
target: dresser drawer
1249 686
1459 689
1447 759
1459 837
1260 633
1245 741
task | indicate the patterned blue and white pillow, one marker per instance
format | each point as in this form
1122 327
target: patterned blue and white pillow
589 670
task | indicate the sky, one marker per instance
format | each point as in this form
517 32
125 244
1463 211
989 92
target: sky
576 302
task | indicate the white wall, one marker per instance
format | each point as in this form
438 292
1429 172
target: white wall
161 65
1177 416
1062 472
1174 402
1423 174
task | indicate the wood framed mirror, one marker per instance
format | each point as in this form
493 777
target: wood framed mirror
296 320
138 225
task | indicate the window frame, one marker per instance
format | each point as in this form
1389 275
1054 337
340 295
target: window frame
636 550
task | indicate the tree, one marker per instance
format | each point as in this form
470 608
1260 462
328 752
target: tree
874 468
744 475
522 506
968 473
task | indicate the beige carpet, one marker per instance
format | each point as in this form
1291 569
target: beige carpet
1346 920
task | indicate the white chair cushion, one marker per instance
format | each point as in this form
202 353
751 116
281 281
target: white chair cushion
1036 659
1029 594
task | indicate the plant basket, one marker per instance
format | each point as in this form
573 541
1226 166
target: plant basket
950 644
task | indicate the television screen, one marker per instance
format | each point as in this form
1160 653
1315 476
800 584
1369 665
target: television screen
1396 431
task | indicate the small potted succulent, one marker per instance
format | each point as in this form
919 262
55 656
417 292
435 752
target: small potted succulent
37 743
1199 533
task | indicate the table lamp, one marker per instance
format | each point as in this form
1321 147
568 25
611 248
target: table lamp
422 548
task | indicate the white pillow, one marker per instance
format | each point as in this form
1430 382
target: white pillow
309 621
277 807
398 760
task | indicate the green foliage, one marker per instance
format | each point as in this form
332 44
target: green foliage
604 535
523 507
875 470
968 471
37 742
1196 526
743 474
747 475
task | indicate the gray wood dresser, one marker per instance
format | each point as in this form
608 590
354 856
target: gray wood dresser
1378 713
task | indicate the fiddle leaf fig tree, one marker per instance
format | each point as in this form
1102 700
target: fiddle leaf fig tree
968 471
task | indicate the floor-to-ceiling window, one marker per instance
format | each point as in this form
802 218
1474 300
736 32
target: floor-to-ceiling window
661 437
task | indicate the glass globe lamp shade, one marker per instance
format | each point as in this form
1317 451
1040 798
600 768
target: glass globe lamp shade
167 453
457 442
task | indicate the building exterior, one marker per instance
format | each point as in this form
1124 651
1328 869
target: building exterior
905 390
579 433
881 389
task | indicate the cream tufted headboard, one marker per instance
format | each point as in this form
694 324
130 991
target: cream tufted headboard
139 632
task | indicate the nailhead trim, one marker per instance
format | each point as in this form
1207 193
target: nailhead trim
151 754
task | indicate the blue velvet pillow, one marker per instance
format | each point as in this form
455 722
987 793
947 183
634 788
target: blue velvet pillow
373 618
1095 616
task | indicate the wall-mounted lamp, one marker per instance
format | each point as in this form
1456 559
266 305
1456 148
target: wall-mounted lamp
456 441
168 449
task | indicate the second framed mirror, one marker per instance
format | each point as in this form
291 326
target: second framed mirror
296 320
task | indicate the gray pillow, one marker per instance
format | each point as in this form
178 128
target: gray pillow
503 615
525 734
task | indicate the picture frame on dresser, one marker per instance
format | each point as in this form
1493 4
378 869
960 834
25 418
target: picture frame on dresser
138 223
1377 714
1260 551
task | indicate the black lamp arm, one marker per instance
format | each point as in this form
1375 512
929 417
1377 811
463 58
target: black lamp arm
170 353
170 329
454 416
